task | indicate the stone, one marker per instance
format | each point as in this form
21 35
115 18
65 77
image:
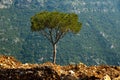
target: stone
12 69
69 77
71 72
106 77
118 78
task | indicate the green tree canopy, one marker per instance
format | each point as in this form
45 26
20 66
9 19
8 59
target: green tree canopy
54 25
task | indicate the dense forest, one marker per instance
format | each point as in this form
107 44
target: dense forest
97 43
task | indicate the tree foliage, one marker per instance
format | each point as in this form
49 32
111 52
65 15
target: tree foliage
54 25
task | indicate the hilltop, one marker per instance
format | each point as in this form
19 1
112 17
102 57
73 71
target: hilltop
12 69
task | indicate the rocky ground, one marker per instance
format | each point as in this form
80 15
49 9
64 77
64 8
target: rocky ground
11 69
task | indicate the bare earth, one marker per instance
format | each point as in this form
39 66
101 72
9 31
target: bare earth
12 69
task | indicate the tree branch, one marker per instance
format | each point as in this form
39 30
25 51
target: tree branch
59 36
51 35
47 35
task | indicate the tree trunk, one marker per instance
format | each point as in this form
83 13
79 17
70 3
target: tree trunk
54 53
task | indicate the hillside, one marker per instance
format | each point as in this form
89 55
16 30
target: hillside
97 43
11 69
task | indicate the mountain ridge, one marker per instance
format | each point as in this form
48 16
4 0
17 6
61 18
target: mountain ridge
97 43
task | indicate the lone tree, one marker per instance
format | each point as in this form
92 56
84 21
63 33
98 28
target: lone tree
54 25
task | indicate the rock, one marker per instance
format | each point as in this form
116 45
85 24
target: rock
107 77
47 73
69 77
8 62
93 78
118 78
89 78
38 73
12 69
71 72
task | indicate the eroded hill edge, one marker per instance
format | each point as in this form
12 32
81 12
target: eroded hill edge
10 68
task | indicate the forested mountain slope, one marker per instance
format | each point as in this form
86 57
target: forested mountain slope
97 43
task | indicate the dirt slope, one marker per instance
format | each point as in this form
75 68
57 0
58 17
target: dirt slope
12 69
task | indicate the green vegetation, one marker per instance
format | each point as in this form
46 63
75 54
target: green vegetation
54 26
98 42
